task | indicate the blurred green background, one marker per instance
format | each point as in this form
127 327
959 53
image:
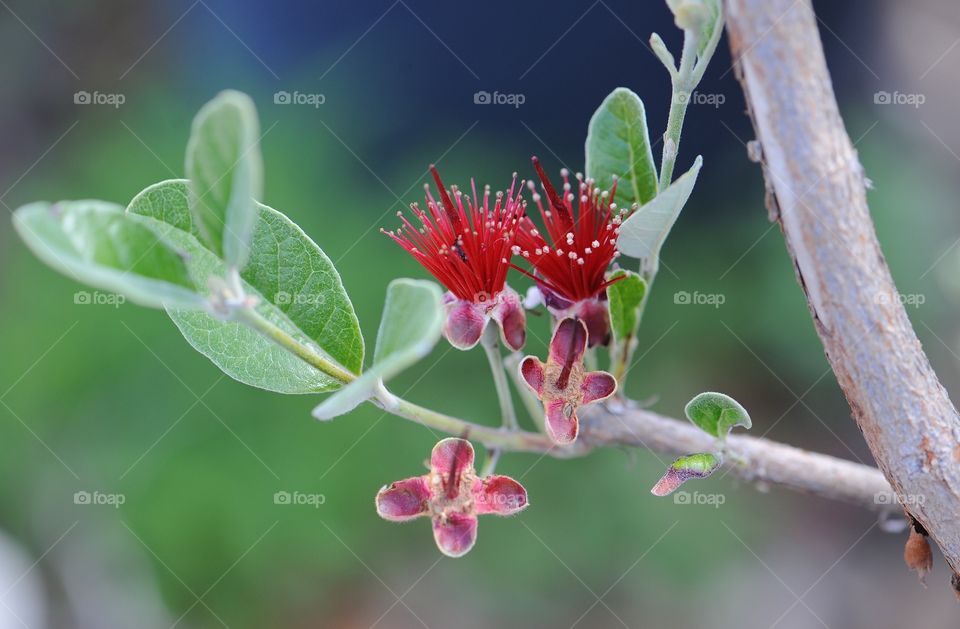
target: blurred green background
95 397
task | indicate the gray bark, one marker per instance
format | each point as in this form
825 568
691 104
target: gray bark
819 199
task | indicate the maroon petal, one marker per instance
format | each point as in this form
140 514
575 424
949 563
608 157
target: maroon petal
554 302
568 343
404 499
532 371
510 315
464 324
455 534
596 317
500 495
562 422
451 456
598 385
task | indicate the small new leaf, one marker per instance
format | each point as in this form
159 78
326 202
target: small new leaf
624 299
710 29
225 170
409 329
683 469
643 233
716 414
618 145
97 243
663 54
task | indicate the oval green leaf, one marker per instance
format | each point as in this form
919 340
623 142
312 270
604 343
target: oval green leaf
298 286
225 169
98 244
618 145
716 414
624 299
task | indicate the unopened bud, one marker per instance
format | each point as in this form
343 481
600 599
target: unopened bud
689 15
683 469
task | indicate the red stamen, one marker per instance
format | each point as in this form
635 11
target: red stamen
463 242
571 257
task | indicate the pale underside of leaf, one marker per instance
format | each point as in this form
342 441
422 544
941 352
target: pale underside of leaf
643 233
96 243
409 329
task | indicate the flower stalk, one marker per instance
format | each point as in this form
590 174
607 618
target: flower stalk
491 347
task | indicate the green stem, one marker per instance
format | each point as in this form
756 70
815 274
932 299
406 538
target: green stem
505 438
683 84
590 359
261 324
530 401
490 342
490 465
491 437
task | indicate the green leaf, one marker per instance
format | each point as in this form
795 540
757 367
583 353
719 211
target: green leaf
683 469
704 17
97 243
716 414
410 327
225 170
618 145
299 288
711 26
624 299
643 233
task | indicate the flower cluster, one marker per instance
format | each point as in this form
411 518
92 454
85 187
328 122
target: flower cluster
467 243
468 246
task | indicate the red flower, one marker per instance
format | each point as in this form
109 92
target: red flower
467 246
570 267
452 495
562 384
